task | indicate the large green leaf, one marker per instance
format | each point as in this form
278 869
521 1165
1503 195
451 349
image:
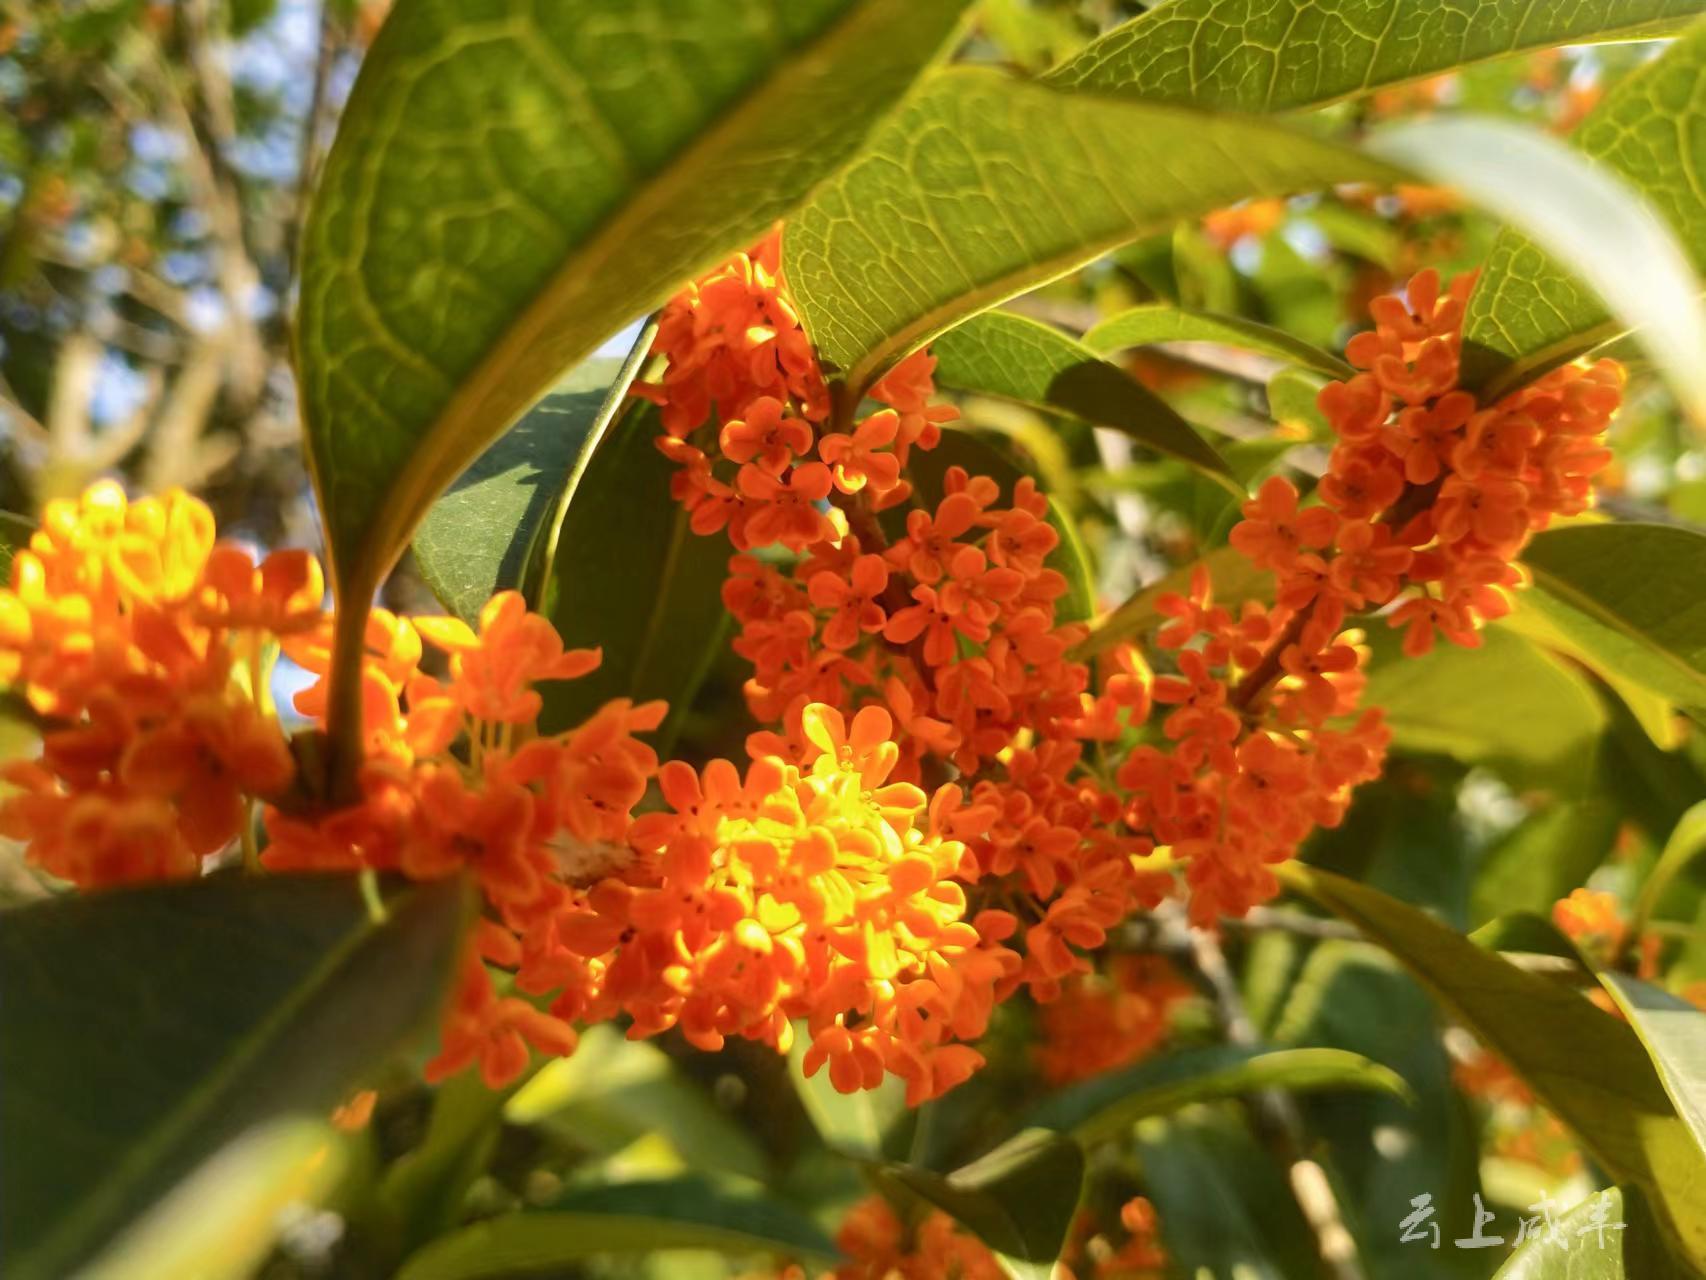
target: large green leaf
1527 312
1506 704
1258 55
1674 1032
1019 1199
1001 354
1588 1067
1630 596
221 1221
982 187
476 539
141 1030
513 182
1107 1106
1578 213
630 575
1576 1248
1159 322
634 1218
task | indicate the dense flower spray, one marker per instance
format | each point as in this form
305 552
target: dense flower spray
944 804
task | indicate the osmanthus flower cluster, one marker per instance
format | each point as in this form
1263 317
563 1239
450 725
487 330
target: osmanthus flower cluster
139 642
944 805
851 592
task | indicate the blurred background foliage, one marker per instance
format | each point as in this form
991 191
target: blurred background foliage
154 162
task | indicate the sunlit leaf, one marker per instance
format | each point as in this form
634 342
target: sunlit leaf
512 183
1255 55
1141 326
1108 1105
1674 1032
219 1223
634 1218
1579 213
981 187
201 1009
1608 1236
1528 311
1629 595
1586 1066
1004 355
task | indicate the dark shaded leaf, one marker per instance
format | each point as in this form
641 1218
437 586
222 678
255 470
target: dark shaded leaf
142 1029
1001 354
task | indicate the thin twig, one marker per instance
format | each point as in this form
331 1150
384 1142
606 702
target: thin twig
1273 1113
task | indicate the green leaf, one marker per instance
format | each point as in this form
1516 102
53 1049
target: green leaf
1507 705
1158 322
1674 1032
1256 55
1019 1199
623 531
1001 354
1629 595
1578 213
1527 932
614 1091
1544 856
1628 1248
1107 1106
927 470
1686 842
1235 580
143 1029
220 1222
511 183
636 1218
1527 312
476 539
853 1123
423 1191
1587 1067
981 187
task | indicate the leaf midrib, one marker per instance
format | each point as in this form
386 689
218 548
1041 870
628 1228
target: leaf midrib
432 462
